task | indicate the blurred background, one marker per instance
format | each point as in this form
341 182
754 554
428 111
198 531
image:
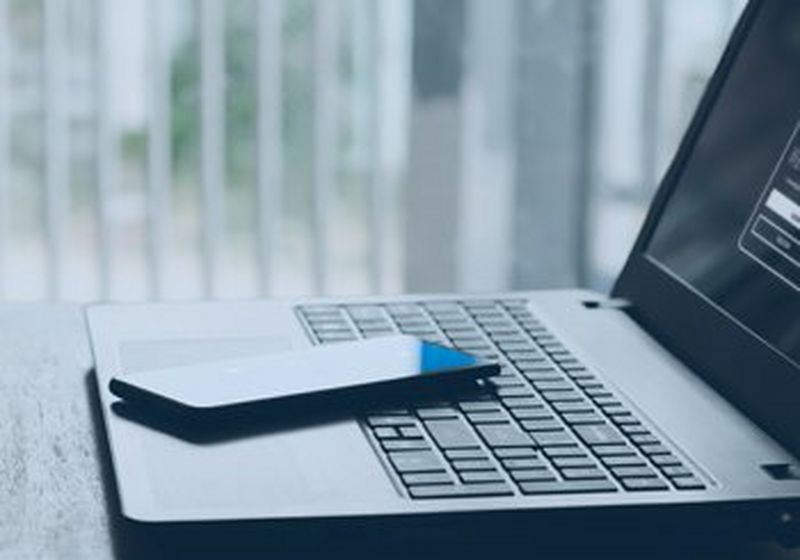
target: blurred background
186 149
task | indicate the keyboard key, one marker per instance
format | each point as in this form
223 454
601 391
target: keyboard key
377 421
564 363
568 487
516 346
527 463
414 322
473 465
546 339
391 412
384 433
481 305
461 491
634 472
623 461
453 318
637 484
419 333
583 418
493 319
530 475
654 449
688 483
480 406
622 419
520 391
574 462
591 385
572 406
427 478
416 461
542 425
375 327
541 368
332 328
564 451
481 477
404 444
553 385
676 471
495 331
377 334
514 452
529 355
503 435
542 375
599 434
665 460
613 450
603 401
562 396
583 473
506 381
365 312
633 429
576 371
410 432
336 337
437 412
454 454
522 402
469 341
441 341
463 331
592 388
401 309
487 417
443 307
529 365
538 412
451 434
619 412
550 439
644 439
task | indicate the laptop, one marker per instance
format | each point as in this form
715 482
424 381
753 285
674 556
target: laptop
674 397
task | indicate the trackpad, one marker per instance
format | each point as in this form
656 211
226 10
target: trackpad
280 471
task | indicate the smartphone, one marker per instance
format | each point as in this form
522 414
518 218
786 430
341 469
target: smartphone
346 376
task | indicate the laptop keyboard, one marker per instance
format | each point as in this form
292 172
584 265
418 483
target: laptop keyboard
547 426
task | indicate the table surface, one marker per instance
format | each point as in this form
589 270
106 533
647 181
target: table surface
56 492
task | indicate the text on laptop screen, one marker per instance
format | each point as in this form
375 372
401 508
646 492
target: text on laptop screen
731 228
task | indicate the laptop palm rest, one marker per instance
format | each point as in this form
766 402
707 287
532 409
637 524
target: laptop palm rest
282 471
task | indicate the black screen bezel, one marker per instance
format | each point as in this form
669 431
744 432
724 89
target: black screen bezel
751 374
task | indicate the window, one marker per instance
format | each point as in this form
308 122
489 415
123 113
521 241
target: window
199 148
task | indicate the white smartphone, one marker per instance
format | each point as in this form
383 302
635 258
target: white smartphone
344 375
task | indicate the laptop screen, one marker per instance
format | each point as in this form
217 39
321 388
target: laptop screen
730 230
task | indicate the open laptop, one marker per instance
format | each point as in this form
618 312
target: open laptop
676 395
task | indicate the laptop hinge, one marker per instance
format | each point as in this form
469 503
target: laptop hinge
613 303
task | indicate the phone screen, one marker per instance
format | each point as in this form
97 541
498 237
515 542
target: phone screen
389 363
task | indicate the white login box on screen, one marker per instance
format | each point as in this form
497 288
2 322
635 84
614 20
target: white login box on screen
785 207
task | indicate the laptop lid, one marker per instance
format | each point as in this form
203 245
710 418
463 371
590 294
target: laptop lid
715 272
